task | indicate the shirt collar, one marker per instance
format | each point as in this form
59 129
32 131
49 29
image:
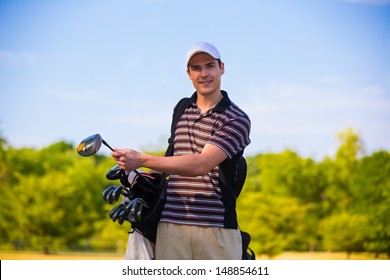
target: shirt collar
221 106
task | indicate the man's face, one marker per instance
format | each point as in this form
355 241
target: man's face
205 73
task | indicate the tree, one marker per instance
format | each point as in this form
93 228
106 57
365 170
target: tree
370 189
6 214
273 222
287 175
54 196
51 200
344 232
339 172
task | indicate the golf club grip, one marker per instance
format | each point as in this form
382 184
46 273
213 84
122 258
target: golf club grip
136 171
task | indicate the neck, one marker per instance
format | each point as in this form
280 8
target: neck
206 103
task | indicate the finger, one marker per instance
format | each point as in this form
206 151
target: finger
117 153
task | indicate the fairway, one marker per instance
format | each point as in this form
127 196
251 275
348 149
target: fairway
12 255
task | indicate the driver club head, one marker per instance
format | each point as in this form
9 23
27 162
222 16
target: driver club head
115 173
89 145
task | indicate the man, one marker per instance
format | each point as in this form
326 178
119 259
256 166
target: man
199 218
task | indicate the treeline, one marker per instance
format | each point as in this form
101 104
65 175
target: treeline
339 204
51 200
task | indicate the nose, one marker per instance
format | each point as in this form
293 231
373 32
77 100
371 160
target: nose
204 72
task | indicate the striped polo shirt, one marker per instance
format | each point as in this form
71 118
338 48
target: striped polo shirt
197 200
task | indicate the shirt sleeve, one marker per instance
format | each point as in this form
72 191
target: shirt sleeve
233 136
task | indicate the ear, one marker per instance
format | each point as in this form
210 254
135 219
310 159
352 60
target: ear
222 68
188 73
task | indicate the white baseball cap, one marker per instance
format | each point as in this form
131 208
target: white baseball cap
202 47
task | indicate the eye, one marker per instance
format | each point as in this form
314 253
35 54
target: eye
210 65
195 68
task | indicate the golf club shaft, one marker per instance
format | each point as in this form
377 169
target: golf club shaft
105 143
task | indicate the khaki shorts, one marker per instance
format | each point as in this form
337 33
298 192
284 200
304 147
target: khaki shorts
182 242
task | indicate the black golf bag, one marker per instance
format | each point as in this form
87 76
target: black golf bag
143 200
154 195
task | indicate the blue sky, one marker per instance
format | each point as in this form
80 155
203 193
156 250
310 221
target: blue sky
302 70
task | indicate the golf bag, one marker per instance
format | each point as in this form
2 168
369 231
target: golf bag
154 196
143 194
143 199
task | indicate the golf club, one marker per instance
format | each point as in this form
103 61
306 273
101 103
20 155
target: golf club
91 145
111 194
107 193
114 196
114 213
122 217
115 173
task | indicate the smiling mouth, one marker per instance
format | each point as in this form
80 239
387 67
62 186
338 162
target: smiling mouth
205 83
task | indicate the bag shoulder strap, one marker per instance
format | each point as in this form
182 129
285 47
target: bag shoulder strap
240 175
233 171
177 112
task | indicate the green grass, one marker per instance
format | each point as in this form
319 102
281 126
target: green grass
324 256
14 255
25 255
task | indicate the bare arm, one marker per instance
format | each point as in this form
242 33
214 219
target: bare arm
185 165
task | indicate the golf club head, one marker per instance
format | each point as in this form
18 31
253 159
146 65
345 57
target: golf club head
115 194
115 173
107 193
89 145
122 217
114 213
138 214
131 215
126 193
